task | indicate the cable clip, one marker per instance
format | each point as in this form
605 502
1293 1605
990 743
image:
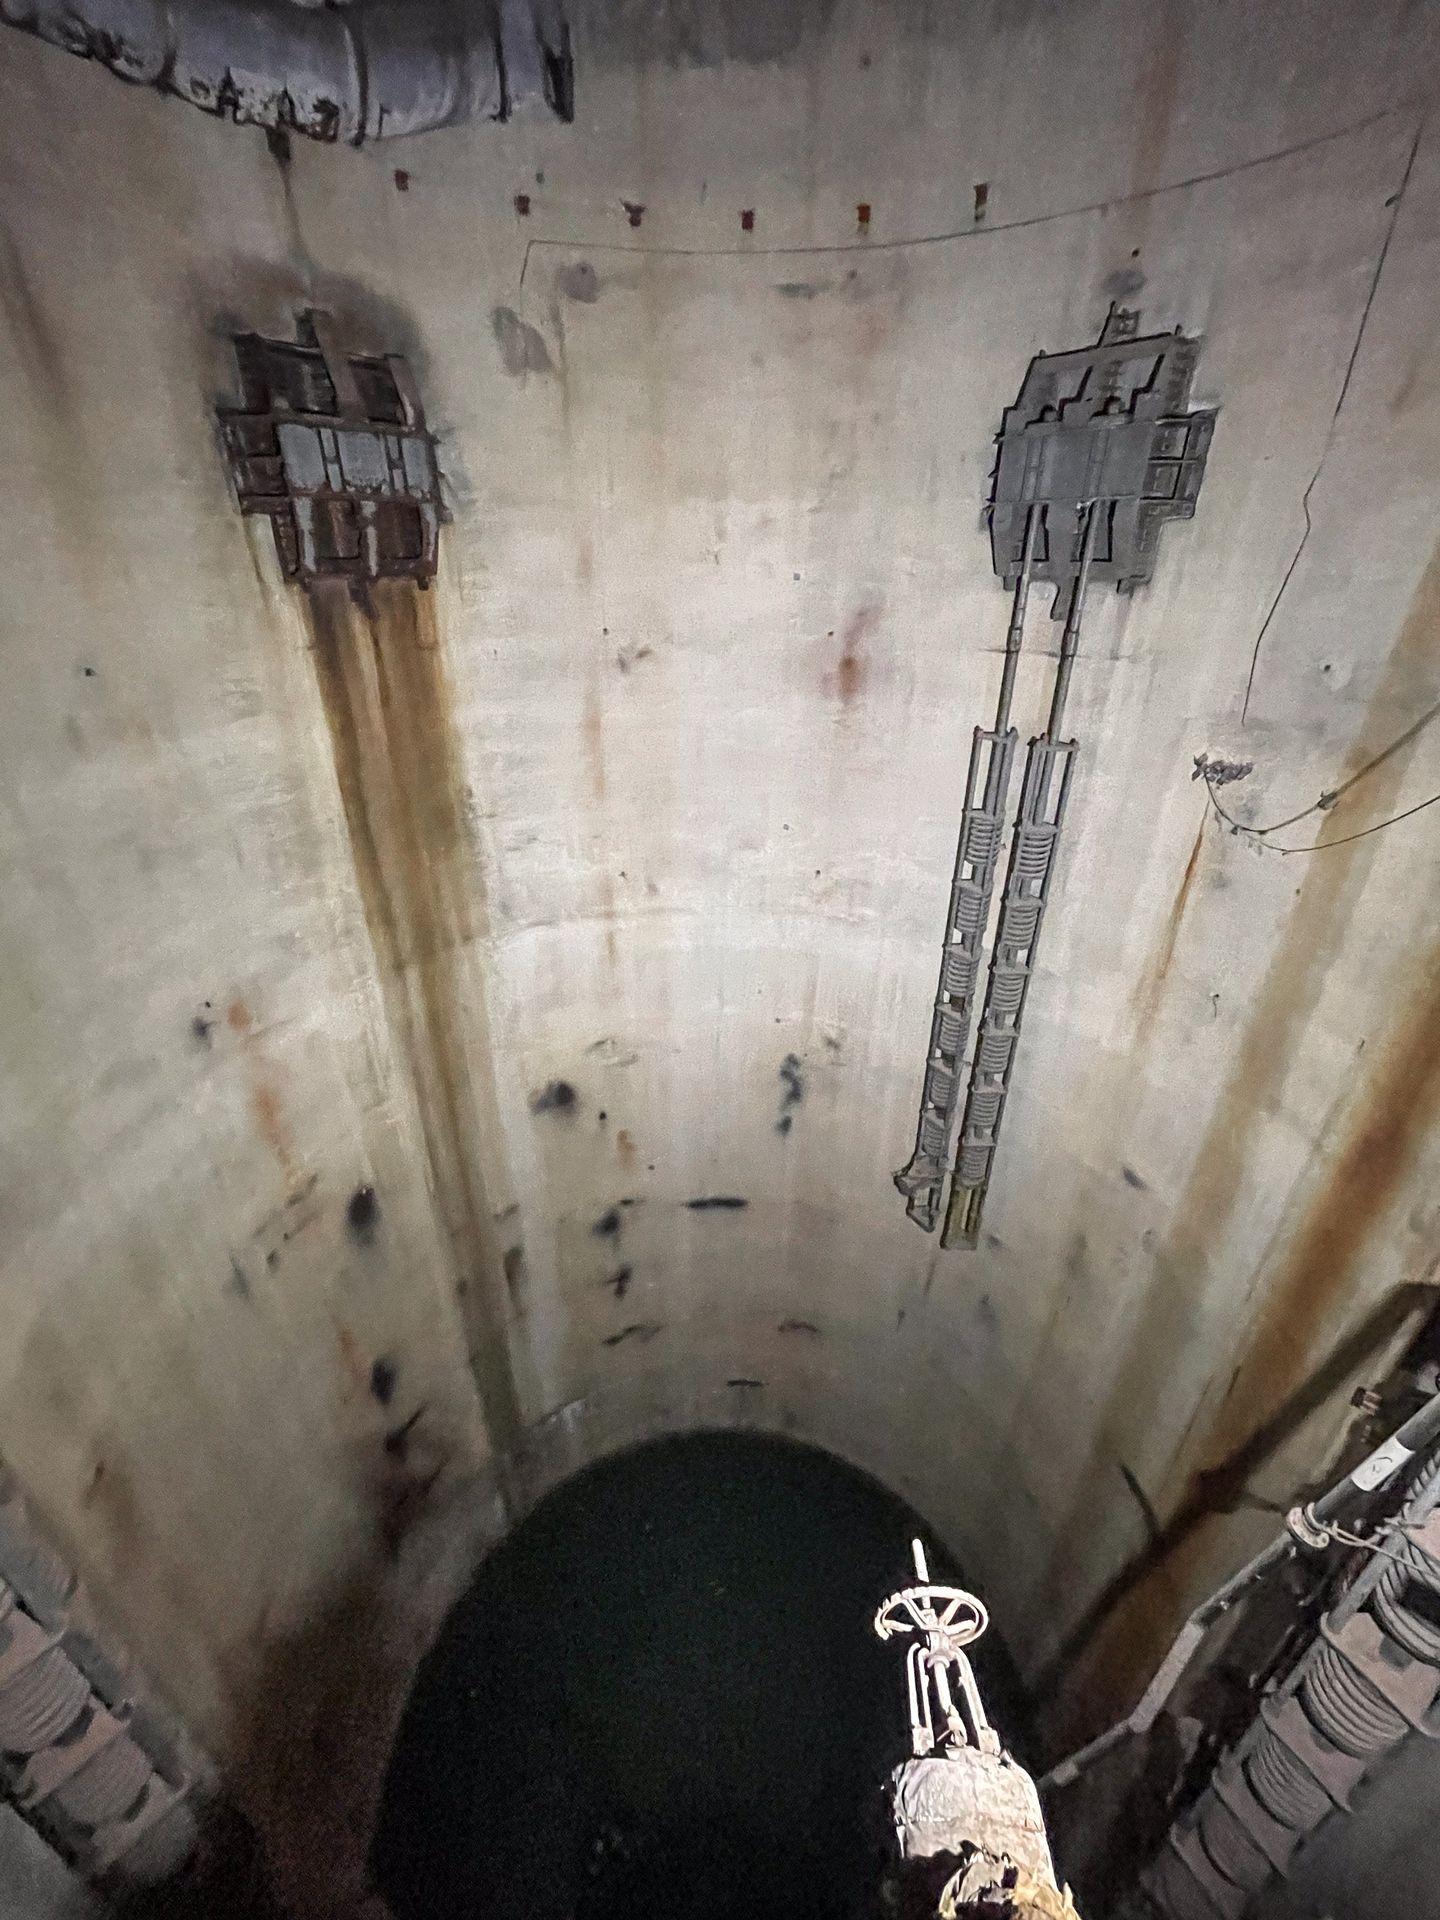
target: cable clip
1307 1529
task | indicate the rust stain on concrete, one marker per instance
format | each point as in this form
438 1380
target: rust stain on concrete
608 917
381 673
271 1126
265 1105
1151 990
1158 88
846 679
1396 1113
592 733
356 1366
315 1709
1299 1283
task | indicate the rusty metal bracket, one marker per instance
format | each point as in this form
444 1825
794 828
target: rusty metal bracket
332 447
1100 449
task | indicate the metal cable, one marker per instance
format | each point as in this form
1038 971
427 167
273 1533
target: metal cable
1346 1707
1286 1789
1412 1567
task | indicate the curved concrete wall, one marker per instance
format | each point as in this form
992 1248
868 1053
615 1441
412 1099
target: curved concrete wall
714 620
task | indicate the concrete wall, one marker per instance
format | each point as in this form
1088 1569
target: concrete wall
714 621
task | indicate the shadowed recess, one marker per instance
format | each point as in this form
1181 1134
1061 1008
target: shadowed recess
662 1696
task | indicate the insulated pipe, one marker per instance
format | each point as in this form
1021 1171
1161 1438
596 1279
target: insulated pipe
367 71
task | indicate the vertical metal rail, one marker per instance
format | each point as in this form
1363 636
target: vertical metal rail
1049 764
977 854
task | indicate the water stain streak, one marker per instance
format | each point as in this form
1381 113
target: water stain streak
381 674
1151 990
1343 1198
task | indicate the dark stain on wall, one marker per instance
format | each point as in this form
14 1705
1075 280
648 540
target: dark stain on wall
352 1360
793 1091
725 1202
380 669
1142 1500
846 680
1156 94
384 1378
1396 1112
313 1706
307 1742
619 1281
1151 990
516 1273
608 1225
1123 284
522 347
557 1096
579 282
641 1330
299 1212
592 733
266 1109
397 1440
362 1214
41 357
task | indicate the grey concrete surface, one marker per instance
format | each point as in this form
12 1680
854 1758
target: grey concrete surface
714 620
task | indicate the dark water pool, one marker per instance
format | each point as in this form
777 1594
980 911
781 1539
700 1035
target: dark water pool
662 1697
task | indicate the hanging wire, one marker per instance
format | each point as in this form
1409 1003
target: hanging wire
1258 834
1331 794
1348 1539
